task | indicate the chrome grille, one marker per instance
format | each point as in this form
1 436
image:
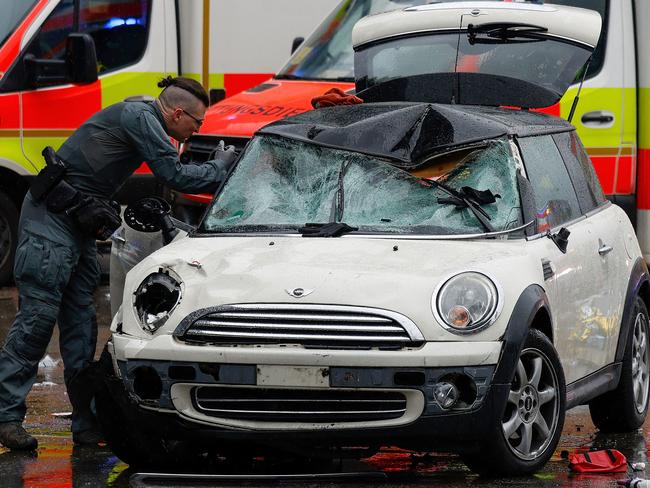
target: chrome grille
308 325
296 405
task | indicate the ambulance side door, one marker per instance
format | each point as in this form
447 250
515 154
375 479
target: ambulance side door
605 116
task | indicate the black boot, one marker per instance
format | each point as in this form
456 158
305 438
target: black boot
89 437
13 436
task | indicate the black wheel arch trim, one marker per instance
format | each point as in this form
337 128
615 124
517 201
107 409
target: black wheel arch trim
638 277
530 302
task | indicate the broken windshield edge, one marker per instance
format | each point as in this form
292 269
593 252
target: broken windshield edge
280 184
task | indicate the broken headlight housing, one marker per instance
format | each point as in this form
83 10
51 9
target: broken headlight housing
155 299
466 303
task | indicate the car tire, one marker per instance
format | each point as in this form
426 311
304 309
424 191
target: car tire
9 215
526 435
126 438
624 409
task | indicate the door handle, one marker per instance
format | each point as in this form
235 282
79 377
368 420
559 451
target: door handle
605 249
597 118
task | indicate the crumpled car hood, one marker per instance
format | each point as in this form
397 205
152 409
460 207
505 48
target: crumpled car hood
393 274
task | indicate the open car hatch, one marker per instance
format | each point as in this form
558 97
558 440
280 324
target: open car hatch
474 53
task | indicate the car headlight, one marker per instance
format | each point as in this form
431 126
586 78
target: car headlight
467 302
155 299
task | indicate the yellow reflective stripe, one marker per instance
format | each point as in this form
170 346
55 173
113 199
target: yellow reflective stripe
12 151
217 80
644 118
592 99
115 88
33 146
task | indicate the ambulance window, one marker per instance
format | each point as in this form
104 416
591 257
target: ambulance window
585 181
602 7
118 28
12 14
49 42
555 198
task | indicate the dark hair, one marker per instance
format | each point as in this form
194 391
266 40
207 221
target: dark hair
187 84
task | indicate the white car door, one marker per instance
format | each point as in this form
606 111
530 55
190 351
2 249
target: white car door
609 228
579 297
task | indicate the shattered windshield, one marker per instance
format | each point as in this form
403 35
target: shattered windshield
280 185
327 54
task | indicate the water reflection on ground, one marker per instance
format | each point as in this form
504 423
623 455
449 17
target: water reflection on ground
58 464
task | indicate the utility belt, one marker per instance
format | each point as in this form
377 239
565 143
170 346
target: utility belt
93 216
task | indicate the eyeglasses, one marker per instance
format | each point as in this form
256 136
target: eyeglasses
198 121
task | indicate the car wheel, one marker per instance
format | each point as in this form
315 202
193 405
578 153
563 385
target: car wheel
8 237
126 438
527 433
624 409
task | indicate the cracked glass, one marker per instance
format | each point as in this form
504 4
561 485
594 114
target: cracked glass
282 184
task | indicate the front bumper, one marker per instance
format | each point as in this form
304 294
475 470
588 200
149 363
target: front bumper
173 407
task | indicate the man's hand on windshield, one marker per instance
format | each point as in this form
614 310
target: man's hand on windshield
225 154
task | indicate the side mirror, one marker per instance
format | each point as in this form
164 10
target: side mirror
79 65
151 214
44 72
296 43
81 58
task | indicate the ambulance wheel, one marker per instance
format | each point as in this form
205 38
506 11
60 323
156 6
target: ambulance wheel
624 409
526 436
8 237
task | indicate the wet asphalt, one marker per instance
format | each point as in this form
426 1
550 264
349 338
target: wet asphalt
58 464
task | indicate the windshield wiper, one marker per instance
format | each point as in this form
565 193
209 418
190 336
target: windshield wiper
502 32
338 205
470 198
335 227
330 229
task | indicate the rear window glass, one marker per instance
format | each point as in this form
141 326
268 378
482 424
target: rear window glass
602 7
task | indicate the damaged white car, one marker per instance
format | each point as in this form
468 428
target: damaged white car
424 270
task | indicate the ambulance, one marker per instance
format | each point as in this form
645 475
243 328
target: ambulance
612 115
48 90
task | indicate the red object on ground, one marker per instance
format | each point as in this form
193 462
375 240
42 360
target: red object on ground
607 461
334 96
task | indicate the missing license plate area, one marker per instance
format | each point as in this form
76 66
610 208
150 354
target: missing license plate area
296 376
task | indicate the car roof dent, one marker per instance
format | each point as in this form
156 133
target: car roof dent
406 133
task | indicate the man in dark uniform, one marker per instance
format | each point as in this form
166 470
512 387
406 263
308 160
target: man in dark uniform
56 268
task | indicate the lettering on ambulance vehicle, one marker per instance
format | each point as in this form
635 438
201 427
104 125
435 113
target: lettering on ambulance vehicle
137 42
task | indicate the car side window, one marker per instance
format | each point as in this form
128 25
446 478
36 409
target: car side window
581 171
118 28
555 198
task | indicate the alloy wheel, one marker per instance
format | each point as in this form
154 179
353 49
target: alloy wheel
640 362
532 409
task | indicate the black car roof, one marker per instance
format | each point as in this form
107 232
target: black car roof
407 132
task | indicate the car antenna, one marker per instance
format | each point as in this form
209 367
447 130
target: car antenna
456 90
577 97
